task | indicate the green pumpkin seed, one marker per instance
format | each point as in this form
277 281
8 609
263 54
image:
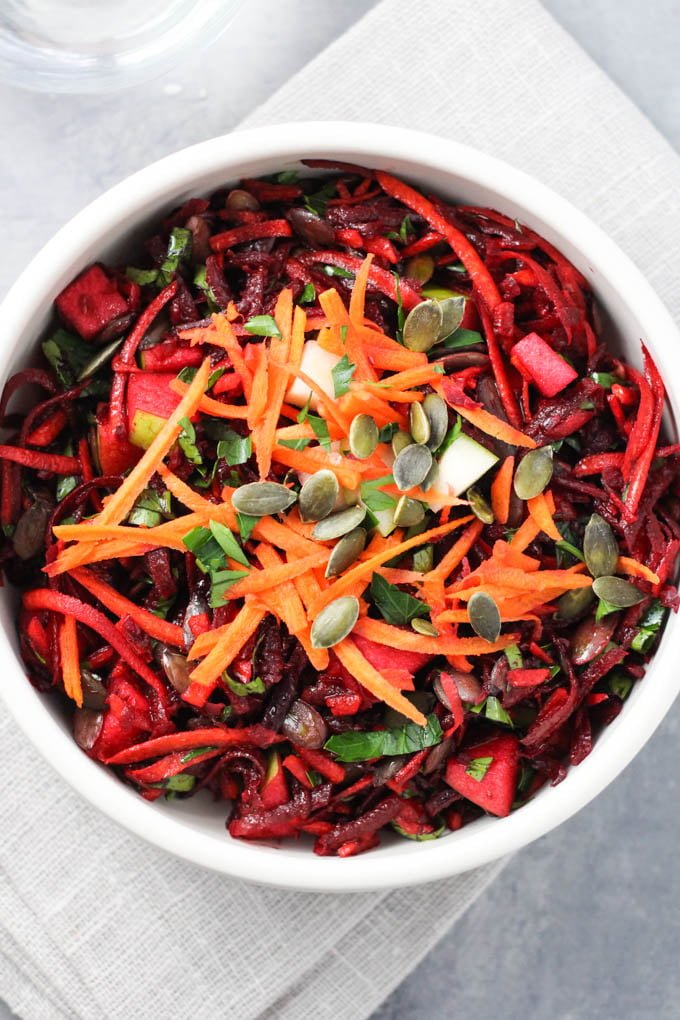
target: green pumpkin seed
420 268
453 310
419 424
424 627
411 467
574 603
346 552
363 436
335 622
485 618
617 592
534 472
479 505
318 496
100 359
600 548
260 499
423 326
438 417
423 559
431 477
408 512
339 524
400 440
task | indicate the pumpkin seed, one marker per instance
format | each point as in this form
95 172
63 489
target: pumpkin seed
411 467
423 326
408 512
438 417
339 524
534 472
260 499
400 440
600 548
485 618
423 559
335 622
453 310
420 268
617 592
419 424
346 552
574 603
431 477
363 436
479 505
318 495
103 355
424 627
590 639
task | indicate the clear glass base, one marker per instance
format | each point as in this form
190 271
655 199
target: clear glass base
101 45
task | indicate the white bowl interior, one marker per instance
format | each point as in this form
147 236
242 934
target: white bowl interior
110 229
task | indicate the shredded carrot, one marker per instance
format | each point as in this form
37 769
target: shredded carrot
183 492
70 659
220 334
408 640
278 382
627 565
119 605
210 406
257 404
261 580
525 535
363 570
221 656
494 426
351 320
393 395
501 490
540 512
392 359
374 682
313 458
292 611
421 376
460 549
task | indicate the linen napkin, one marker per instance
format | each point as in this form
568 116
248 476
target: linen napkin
95 925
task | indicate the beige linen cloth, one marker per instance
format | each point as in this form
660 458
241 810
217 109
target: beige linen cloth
127 932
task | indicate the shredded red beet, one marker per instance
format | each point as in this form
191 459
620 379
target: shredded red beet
578 557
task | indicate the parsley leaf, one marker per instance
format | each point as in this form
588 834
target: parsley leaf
262 325
318 201
396 607
149 509
235 449
221 581
320 428
187 442
295 444
342 375
401 316
308 295
354 745
478 768
514 657
387 431
211 545
342 274
68 356
493 710
246 524
462 338
255 686
372 496
179 249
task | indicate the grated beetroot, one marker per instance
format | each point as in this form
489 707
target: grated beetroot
529 352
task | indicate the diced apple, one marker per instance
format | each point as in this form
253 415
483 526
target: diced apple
318 365
462 465
150 402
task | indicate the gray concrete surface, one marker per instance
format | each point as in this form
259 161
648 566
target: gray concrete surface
583 925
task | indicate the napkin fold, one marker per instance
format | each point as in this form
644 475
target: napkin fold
94 924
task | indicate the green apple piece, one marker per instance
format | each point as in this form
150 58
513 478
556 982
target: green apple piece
144 428
463 464
318 364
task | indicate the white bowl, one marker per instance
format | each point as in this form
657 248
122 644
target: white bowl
194 829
